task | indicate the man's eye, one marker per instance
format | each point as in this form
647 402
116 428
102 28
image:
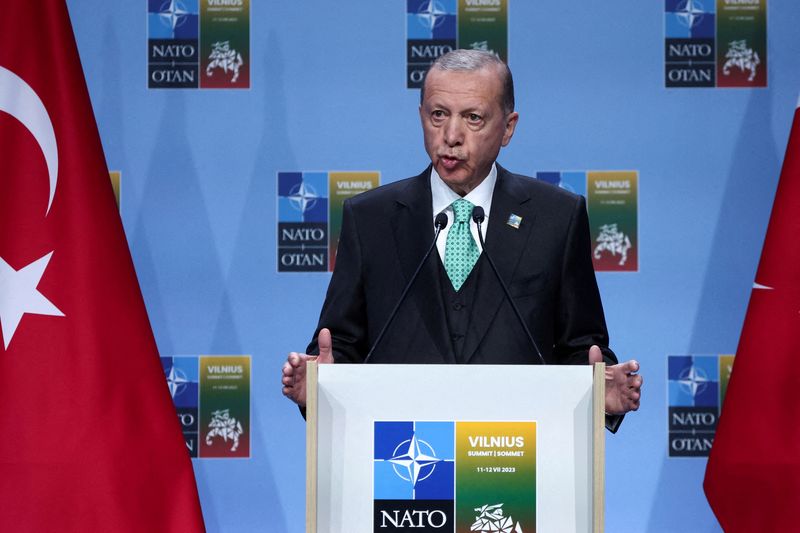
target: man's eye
472 117
438 113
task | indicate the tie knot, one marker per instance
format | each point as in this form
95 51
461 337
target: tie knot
462 209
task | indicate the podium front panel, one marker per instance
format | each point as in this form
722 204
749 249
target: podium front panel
499 445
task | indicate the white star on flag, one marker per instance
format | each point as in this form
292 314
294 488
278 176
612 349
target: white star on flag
19 295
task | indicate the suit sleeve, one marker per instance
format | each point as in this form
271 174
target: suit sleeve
344 311
580 322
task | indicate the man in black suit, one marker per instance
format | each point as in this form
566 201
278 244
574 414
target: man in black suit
457 311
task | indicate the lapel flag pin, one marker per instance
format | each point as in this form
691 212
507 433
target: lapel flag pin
514 220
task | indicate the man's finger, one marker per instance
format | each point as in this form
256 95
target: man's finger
293 376
631 366
595 355
325 346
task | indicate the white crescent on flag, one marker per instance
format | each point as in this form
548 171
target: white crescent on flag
18 292
19 100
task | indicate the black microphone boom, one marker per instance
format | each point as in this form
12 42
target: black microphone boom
439 223
478 216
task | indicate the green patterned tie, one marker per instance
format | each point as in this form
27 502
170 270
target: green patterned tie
460 253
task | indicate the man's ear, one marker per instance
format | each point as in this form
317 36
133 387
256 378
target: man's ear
511 124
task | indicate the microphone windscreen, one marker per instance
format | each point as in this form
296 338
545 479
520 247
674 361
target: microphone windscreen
441 221
478 214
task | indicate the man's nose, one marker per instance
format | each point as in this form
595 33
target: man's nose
454 132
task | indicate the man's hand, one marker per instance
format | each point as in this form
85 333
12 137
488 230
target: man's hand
294 369
623 385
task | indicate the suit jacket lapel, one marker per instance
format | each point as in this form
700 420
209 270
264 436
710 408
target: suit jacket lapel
505 244
412 225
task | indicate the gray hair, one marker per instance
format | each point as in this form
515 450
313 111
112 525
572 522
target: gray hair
469 61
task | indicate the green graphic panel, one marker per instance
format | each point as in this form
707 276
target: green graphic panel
495 476
742 43
612 203
484 26
224 406
341 186
225 44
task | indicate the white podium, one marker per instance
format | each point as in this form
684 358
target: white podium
455 448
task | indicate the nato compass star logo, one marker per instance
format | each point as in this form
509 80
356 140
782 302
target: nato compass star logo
693 380
431 15
173 14
414 460
182 376
690 13
303 196
172 19
176 381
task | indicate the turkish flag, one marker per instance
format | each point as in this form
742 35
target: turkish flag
91 441
753 475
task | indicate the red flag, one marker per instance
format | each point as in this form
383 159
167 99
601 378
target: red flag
91 440
753 474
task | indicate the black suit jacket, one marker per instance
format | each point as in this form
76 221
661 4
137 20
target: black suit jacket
546 263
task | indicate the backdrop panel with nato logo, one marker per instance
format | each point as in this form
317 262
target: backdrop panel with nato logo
173 34
211 394
435 27
310 208
715 43
696 388
198 44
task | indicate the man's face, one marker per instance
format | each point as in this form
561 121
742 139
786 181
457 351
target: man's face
464 124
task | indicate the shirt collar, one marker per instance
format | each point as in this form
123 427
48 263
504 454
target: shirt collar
481 195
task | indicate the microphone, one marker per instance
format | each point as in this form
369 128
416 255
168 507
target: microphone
478 216
439 223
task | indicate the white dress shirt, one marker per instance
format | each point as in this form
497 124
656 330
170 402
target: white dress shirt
443 196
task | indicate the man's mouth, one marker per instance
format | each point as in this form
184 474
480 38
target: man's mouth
449 162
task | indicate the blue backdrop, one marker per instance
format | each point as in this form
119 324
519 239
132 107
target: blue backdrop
328 93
